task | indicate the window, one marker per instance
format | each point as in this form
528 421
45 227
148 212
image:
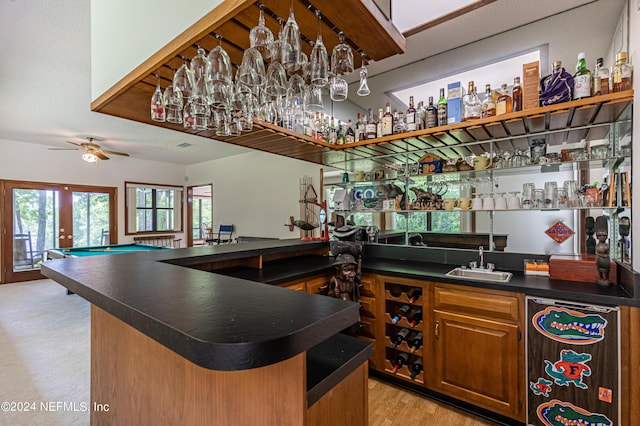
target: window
153 208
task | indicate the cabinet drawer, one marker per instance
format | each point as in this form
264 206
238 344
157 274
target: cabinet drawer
368 306
368 284
367 327
314 284
488 304
301 286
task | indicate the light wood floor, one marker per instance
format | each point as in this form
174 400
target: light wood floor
391 406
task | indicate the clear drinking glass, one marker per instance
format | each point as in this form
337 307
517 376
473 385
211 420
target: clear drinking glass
342 57
199 64
261 37
338 89
319 60
158 108
183 80
527 195
291 48
251 71
219 65
313 98
363 89
276 84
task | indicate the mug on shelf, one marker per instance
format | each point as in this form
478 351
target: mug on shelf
360 174
449 203
482 162
500 202
464 203
476 203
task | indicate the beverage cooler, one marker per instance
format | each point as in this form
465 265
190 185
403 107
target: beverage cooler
573 360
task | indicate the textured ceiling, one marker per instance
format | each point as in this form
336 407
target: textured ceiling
45 75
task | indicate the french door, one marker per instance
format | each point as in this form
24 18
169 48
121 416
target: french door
37 217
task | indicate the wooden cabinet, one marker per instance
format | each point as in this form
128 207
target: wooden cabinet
478 349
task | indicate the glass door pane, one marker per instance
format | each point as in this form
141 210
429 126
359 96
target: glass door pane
90 218
36 223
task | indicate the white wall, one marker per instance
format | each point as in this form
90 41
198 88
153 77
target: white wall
125 33
32 162
257 191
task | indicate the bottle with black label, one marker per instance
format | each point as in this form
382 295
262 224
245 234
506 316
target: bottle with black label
402 311
416 342
410 117
442 109
400 360
400 336
431 117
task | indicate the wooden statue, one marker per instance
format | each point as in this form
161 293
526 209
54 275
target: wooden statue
343 284
602 250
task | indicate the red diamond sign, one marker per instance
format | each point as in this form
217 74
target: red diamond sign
559 232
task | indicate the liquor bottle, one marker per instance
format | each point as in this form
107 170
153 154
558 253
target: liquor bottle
414 294
581 79
379 123
350 135
416 317
505 103
387 122
333 132
621 73
600 83
371 126
410 117
400 360
400 336
416 367
470 104
317 126
357 129
416 342
431 119
341 136
398 123
421 116
488 108
442 109
516 93
402 311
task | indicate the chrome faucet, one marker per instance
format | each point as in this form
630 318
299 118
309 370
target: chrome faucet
481 251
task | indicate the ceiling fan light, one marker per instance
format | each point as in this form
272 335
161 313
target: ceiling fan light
89 158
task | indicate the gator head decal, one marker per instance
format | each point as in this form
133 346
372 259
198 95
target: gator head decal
558 413
567 326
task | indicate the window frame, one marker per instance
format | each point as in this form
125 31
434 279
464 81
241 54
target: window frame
132 209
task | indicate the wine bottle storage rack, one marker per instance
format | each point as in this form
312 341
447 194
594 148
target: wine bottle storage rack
390 310
403 372
400 294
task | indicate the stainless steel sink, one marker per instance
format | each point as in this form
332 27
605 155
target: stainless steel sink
480 275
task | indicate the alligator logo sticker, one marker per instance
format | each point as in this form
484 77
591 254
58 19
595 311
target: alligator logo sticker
558 413
571 368
541 387
567 326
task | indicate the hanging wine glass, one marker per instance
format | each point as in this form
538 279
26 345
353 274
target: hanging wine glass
276 47
319 59
183 80
291 44
158 107
363 90
261 37
218 65
276 84
199 64
174 103
251 71
342 57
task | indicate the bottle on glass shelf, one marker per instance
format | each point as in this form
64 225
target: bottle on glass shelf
410 117
488 108
333 131
379 123
398 123
400 360
370 128
357 128
349 134
401 312
622 73
341 136
600 79
504 105
470 104
387 121
516 94
442 109
416 317
421 116
431 118
414 294
400 337
581 79
416 367
416 342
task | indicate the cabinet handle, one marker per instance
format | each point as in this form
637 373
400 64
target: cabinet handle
437 330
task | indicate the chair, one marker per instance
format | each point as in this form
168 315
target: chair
225 235
23 254
104 238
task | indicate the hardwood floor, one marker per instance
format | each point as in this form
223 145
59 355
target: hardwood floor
391 406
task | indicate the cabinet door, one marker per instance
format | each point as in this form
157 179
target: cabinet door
315 284
476 360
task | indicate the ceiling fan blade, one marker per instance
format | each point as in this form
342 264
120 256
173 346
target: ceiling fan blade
73 143
106 151
64 149
101 156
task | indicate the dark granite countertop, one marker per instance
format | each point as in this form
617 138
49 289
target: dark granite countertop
215 321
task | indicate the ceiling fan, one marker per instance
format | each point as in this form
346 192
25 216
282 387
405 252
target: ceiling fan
92 151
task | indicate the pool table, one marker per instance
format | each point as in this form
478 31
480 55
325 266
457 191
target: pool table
61 253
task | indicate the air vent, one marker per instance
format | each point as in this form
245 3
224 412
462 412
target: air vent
184 144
